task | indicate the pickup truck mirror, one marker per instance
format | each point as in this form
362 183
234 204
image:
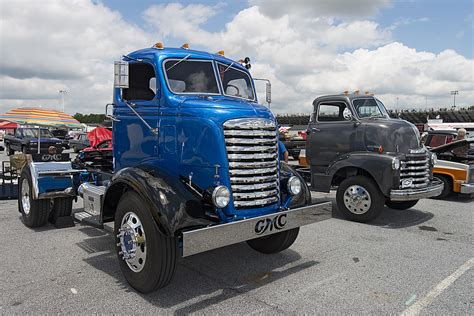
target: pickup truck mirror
268 92
121 74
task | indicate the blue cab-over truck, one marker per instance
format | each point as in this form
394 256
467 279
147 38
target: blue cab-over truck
196 168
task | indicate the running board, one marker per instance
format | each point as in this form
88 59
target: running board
88 219
212 237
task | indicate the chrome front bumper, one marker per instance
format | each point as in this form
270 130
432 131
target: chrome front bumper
204 239
433 189
467 188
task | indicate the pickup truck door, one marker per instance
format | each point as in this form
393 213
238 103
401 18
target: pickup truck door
331 133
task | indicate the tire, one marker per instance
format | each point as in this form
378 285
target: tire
448 185
9 150
62 207
400 205
363 189
34 213
274 243
159 251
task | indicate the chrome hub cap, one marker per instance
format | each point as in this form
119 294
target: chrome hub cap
132 242
357 199
25 196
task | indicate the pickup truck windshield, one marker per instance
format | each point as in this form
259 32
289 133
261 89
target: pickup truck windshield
369 107
191 76
235 82
32 132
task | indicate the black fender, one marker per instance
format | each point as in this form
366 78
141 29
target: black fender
302 199
377 166
171 202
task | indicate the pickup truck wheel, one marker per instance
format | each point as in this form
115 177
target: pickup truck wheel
274 243
34 213
447 189
400 205
146 257
9 150
359 199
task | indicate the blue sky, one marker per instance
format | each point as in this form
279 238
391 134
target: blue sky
426 25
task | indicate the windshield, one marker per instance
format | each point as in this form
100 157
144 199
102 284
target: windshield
191 76
32 132
369 107
235 82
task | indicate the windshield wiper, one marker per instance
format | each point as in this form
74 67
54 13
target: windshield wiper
182 59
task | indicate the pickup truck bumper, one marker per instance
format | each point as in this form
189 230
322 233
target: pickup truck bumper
212 237
433 189
467 188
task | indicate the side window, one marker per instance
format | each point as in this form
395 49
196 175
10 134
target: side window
142 82
333 112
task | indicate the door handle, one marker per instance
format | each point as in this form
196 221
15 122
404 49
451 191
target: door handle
313 129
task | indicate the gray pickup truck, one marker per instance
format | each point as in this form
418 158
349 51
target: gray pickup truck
25 139
354 145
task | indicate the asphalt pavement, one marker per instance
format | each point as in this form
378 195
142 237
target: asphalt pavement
414 261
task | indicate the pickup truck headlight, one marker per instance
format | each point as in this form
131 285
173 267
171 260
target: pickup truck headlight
221 196
434 159
395 163
294 185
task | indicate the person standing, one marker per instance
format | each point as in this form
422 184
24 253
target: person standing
282 152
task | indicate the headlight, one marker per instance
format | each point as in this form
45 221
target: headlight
434 159
294 185
395 163
221 196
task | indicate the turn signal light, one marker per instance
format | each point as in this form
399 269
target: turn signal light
158 45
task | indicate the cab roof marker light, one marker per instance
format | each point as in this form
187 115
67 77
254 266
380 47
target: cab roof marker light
357 92
221 53
346 92
158 45
185 46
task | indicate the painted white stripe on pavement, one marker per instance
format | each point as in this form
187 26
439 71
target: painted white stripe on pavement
418 306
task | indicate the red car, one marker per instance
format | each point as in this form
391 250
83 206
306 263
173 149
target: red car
100 154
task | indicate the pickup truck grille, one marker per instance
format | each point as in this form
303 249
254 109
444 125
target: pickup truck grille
415 167
252 153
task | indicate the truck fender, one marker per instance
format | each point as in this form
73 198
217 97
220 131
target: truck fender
377 166
172 204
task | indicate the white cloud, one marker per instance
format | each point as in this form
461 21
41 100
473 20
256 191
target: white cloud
62 45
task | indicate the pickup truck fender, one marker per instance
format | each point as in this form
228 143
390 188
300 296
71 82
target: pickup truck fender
173 204
377 166
302 199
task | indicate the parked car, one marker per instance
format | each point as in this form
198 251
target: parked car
25 139
436 138
457 173
63 135
98 157
79 143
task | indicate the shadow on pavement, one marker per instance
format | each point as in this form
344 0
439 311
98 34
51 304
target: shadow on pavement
220 274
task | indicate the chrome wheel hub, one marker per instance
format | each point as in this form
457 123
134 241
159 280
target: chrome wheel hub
132 242
357 199
25 196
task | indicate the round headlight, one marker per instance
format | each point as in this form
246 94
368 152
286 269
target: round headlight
221 196
395 163
434 159
294 185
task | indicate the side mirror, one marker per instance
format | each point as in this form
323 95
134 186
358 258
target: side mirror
268 92
121 74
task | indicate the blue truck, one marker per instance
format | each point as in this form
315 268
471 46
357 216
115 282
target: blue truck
195 168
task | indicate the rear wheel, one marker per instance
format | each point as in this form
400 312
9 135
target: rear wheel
359 199
447 189
274 243
400 205
34 213
146 257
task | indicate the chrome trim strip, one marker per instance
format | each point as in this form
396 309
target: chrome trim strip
434 189
249 165
252 149
253 195
253 187
236 172
258 202
251 124
250 141
208 238
253 179
233 157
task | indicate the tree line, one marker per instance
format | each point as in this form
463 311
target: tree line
90 118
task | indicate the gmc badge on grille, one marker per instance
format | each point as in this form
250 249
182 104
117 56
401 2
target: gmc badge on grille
277 223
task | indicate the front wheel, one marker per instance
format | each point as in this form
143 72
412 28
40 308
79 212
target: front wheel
274 243
400 205
359 199
146 257
34 213
447 189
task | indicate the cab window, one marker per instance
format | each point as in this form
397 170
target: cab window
333 112
142 82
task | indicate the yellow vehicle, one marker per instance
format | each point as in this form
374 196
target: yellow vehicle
457 172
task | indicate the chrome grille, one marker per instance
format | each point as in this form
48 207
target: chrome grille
252 153
415 167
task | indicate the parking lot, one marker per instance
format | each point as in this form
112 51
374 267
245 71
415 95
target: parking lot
413 261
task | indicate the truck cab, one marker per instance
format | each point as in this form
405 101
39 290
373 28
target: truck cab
372 159
195 167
